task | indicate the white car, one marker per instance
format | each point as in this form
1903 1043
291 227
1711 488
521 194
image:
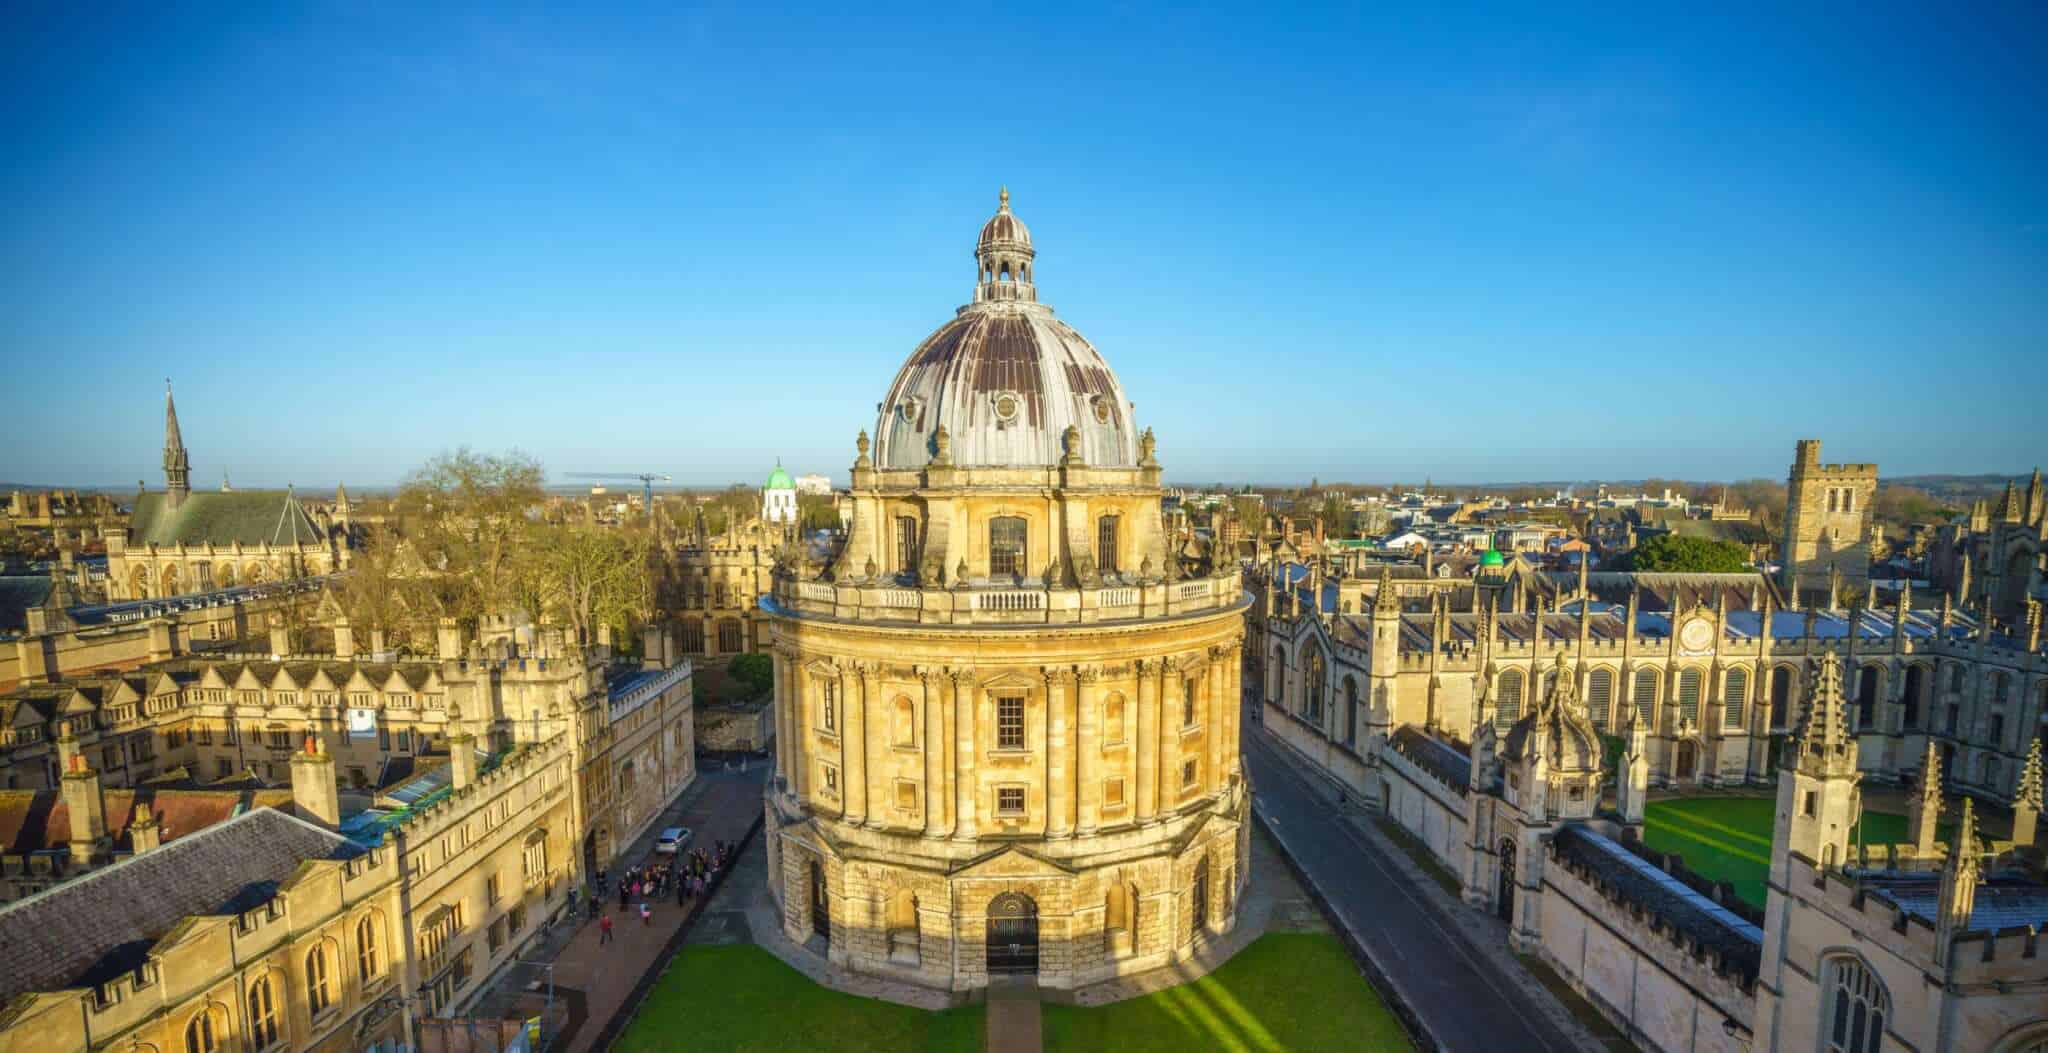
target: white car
672 840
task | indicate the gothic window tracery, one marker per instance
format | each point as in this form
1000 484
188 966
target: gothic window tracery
1854 1006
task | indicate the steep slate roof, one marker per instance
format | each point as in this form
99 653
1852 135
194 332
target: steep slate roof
102 925
1740 943
251 517
2002 902
33 820
18 593
1435 756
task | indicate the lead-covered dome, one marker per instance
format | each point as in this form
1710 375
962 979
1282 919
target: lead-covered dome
1005 378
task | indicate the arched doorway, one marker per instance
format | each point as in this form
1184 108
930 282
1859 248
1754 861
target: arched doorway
1200 890
1688 759
1012 934
590 852
1505 898
821 908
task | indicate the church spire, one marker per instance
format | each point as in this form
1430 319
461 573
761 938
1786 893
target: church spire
1826 748
1923 811
177 465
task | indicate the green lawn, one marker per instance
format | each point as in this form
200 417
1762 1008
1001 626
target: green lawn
1286 991
1729 838
741 998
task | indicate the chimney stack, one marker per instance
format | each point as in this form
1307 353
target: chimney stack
143 832
461 750
81 790
314 790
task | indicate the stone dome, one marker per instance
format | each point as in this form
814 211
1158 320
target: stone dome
1005 378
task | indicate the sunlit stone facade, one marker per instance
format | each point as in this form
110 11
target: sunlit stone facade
1007 720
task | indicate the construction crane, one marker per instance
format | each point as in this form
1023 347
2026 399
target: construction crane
647 481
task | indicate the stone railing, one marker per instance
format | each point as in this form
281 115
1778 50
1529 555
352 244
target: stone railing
893 603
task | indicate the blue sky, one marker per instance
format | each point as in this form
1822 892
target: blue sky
1378 244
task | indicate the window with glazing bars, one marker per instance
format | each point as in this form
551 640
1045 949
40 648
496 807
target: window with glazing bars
1006 546
1105 544
1010 723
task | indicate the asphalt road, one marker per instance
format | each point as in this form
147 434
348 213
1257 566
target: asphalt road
1461 998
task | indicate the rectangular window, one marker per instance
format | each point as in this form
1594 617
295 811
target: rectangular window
1187 703
831 779
491 890
1009 800
906 544
829 712
1190 772
1006 536
1105 544
1113 793
1009 723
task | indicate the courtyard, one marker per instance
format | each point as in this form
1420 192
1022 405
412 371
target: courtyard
1729 838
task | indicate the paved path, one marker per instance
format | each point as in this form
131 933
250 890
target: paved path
718 806
1462 995
1014 1022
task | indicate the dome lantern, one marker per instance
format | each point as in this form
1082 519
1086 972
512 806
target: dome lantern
1002 258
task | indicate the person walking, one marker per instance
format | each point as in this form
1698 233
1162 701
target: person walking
604 929
646 914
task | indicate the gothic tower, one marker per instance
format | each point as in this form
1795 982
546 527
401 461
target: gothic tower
1817 795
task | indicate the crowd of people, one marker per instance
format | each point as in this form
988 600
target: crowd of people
689 876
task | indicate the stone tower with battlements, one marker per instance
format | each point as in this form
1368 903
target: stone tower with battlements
1827 521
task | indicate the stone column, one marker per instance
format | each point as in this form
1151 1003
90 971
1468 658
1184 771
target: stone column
784 729
800 708
964 795
860 690
1233 678
1059 755
934 753
1087 749
1148 739
1213 735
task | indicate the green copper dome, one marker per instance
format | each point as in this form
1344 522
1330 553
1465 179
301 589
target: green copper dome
1492 558
778 480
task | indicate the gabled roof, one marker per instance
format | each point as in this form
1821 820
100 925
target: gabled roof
252 517
102 925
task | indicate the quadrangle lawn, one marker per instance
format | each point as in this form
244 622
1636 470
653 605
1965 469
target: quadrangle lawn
1285 992
1729 838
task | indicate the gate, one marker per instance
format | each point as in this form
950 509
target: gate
821 907
1012 934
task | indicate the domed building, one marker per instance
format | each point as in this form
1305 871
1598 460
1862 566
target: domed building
778 497
1006 708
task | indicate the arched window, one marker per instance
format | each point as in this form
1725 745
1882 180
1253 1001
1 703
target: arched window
1915 686
318 995
1278 696
730 639
1350 712
1600 696
1781 697
262 1015
1106 544
1866 698
367 966
1006 537
1734 694
1120 917
1508 705
1646 694
906 545
1854 1006
1689 695
1314 675
201 1035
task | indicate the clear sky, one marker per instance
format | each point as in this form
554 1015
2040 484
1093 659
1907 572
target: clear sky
1385 244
